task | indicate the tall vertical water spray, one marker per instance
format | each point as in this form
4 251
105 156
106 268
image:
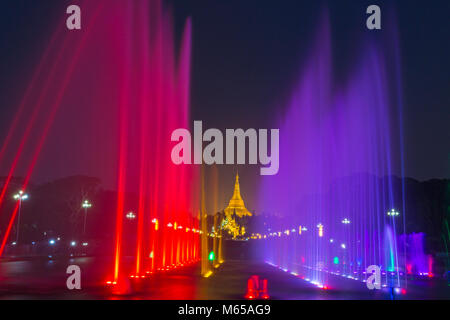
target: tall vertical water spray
327 210
154 102
115 90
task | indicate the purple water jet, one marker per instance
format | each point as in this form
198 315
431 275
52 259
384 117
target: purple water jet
326 210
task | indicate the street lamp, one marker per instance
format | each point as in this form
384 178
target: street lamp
20 196
130 215
393 213
156 223
86 205
320 226
346 222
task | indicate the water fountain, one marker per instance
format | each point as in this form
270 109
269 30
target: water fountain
328 211
116 90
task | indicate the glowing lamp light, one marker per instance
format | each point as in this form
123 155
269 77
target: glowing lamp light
336 260
73 243
52 242
320 226
155 221
343 246
170 225
86 204
131 216
345 221
20 196
393 213
211 256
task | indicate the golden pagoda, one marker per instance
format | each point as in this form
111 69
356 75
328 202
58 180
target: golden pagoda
236 204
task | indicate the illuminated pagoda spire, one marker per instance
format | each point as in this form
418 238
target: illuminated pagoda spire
236 204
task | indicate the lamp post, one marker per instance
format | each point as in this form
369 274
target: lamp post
320 227
20 196
86 205
394 213
131 216
346 222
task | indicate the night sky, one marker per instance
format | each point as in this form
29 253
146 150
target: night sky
247 55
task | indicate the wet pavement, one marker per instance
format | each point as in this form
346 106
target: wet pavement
41 278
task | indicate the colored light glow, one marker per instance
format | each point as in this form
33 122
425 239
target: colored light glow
211 256
166 89
336 260
393 213
131 216
320 226
86 204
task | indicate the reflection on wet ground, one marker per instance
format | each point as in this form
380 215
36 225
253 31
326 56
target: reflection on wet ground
46 279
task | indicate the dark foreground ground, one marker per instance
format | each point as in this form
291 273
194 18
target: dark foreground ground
41 278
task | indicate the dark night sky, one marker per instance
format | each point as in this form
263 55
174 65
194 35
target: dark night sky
247 54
